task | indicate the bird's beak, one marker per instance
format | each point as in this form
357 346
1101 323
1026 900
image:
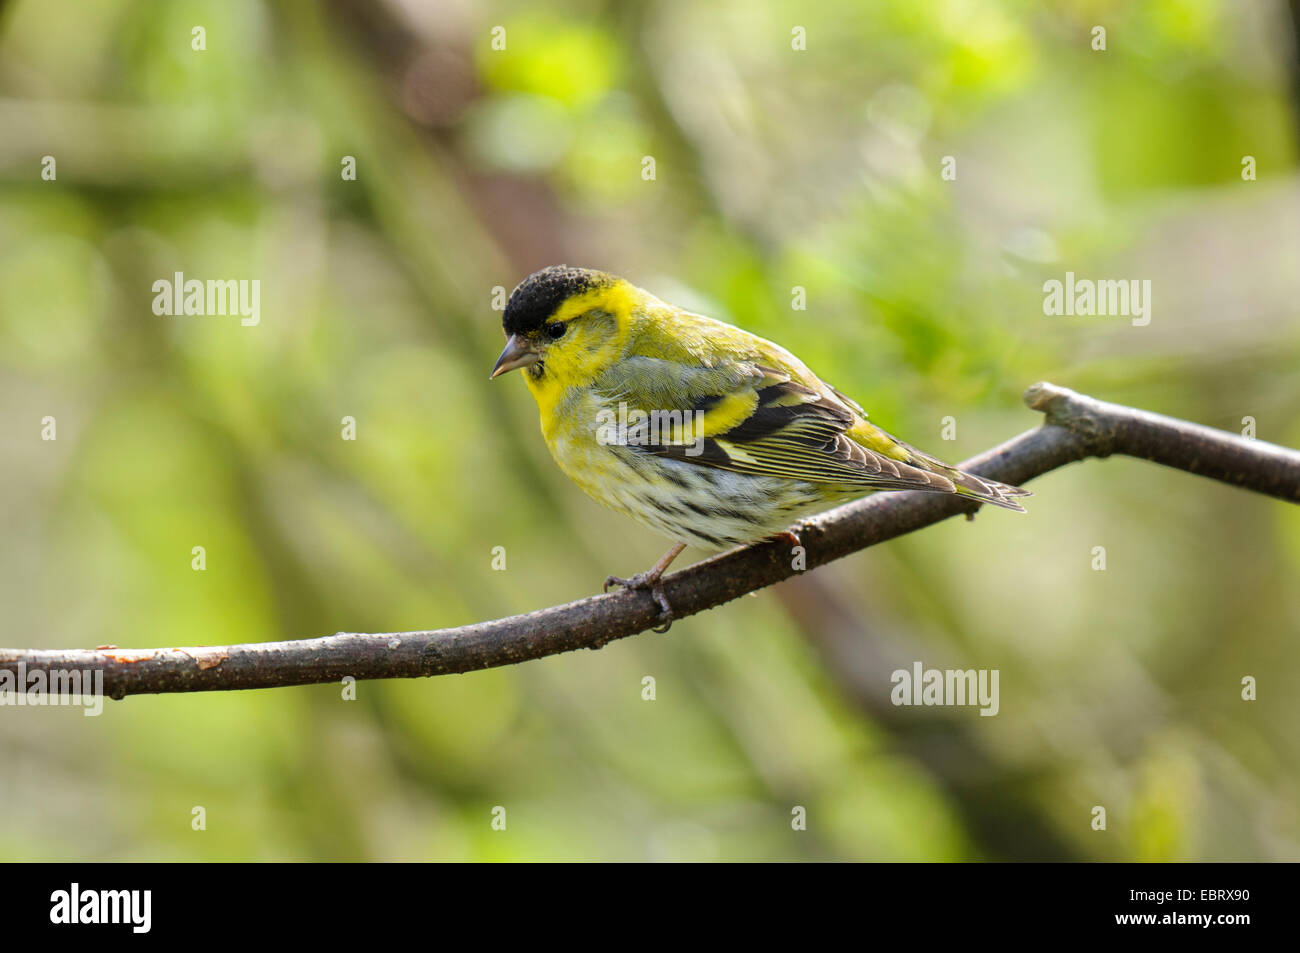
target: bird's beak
517 353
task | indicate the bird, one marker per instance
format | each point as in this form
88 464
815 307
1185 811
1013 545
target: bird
697 429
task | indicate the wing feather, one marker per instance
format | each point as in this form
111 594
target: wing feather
766 414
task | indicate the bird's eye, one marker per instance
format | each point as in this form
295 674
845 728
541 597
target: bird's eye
556 330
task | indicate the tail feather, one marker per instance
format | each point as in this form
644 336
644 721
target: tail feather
987 491
968 484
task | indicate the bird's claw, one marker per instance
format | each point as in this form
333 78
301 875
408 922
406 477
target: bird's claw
620 581
655 585
665 610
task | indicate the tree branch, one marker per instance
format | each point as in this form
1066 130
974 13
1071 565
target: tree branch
1076 427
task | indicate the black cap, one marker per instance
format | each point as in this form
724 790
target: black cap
541 293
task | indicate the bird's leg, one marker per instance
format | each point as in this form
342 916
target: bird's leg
652 579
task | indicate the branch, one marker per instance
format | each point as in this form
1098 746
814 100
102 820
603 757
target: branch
1076 427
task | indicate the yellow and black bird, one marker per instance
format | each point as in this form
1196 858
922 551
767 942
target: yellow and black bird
706 433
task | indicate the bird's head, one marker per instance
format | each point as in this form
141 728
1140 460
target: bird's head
565 326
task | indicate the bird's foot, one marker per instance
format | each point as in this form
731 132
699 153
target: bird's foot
652 582
652 579
789 536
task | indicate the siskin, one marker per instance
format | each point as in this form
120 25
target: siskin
699 430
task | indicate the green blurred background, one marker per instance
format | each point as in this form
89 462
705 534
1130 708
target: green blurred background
775 168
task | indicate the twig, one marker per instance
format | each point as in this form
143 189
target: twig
1076 427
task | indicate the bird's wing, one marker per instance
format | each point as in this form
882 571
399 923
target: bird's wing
757 409
749 417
